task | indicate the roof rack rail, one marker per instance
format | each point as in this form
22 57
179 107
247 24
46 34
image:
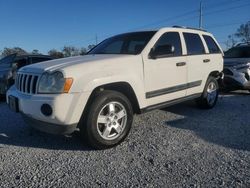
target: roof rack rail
184 27
243 43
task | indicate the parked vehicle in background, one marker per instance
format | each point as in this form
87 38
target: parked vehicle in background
11 63
237 68
125 74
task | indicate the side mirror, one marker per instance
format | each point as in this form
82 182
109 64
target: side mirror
161 51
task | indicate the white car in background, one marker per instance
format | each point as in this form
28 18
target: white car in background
125 74
237 68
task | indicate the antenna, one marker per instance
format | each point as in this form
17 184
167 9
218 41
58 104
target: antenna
201 16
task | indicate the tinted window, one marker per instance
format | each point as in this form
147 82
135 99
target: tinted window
136 46
238 52
114 47
20 62
194 44
173 39
7 61
129 43
39 59
212 46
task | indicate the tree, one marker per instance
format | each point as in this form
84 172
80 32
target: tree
243 32
83 51
90 46
55 54
69 51
15 50
242 35
35 52
231 42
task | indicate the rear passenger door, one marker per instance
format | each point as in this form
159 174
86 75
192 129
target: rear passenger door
214 54
197 63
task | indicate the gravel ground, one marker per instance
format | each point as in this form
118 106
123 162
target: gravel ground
180 146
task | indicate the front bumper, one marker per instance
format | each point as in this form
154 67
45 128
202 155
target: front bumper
236 79
49 127
67 109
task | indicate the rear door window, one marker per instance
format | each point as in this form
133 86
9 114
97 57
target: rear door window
194 44
212 46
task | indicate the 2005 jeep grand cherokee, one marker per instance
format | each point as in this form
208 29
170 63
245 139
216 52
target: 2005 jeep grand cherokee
126 74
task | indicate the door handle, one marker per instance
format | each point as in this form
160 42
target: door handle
206 60
180 64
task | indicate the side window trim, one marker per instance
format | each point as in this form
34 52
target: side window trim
204 44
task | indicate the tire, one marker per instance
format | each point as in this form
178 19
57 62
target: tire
109 120
210 94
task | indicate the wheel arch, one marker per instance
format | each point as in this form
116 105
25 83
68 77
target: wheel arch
122 87
216 74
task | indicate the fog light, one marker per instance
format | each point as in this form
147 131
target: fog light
46 110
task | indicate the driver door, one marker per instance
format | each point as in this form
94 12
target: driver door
166 75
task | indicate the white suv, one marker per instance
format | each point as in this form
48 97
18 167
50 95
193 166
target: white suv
125 74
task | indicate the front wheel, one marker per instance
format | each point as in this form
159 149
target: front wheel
108 120
210 94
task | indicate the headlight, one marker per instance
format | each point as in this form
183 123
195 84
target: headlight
54 83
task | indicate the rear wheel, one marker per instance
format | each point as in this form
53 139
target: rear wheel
108 120
210 94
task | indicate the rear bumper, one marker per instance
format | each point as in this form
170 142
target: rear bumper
49 127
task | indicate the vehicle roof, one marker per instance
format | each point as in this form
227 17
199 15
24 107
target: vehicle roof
244 44
18 57
185 29
33 55
179 29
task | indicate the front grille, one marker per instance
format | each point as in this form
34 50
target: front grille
27 83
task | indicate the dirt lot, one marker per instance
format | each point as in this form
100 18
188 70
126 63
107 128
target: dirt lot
180 146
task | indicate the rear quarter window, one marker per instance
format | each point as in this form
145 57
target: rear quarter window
211 44
194 44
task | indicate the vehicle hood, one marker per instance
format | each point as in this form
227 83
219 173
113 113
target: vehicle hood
60 64
230 62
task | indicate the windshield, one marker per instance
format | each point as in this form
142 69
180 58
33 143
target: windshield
238 52
129 43
7 61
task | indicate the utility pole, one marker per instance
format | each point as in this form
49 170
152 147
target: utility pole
201 16
96 39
